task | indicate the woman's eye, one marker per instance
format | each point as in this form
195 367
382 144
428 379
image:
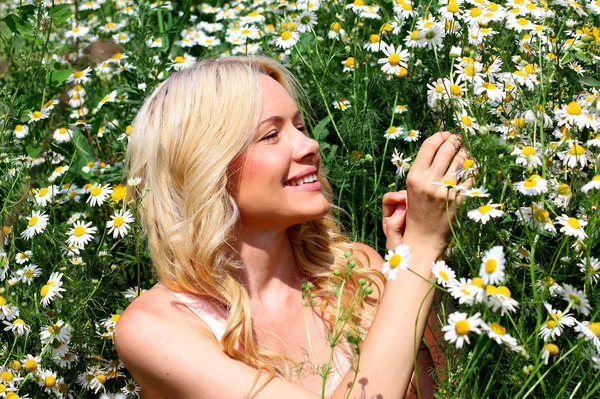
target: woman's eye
271 136
301 128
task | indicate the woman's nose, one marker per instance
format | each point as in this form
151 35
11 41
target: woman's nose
306 146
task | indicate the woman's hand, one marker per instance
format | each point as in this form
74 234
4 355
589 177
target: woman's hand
428 219
394 217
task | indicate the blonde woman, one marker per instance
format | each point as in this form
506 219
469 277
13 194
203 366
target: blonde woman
238 213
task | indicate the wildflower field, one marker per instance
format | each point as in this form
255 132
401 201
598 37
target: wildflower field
519 79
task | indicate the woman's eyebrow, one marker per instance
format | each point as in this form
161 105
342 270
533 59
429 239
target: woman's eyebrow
279 118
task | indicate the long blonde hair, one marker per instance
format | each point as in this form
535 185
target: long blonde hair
184 137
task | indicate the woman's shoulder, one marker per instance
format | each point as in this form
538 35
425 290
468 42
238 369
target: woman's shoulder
368 255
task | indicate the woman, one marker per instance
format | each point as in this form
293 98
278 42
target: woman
238 213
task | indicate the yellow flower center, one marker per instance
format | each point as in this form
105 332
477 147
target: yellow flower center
286 35
576 150
455 90
574 223
575 298
503 290
550 324
394 59
78 74
79 231
374 38
28 273
541 215
443 275
478 281
44 291
469 70
497 328
528 151
50 381
101 378
564 189
179 59
43 192
596 178
466 120
573 108
395 261
462 327
335 27
520 123
2 301
595 327
468 163
453 7
522 21
407 7
96 191
115 318
6 376
485 209
475 12
33 221
552 349
490 265
350 62
530 182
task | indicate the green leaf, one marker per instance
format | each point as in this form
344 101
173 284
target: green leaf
18 26
32 151
5 31
587 81
60 13
581 57
320 131
84 151
56 78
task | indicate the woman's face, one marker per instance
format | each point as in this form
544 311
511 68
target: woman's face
266 188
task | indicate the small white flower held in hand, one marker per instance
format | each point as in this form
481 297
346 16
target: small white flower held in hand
396 260
459 326
492 266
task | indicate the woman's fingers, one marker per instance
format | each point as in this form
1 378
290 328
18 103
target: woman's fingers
456 165
391 201
394 217
446 154
428 151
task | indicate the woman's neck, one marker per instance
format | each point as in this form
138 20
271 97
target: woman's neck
271 276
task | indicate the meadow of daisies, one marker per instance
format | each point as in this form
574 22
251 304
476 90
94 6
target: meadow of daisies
518 294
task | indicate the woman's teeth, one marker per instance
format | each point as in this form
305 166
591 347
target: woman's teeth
306 179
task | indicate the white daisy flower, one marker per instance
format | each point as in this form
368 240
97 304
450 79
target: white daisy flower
349 64
36 224
17 326
98 194
548 351
536 217
31 364
466 291
21 131
528 155
470 168
575 155
445 276
109 98
183 61
28 273
132 292
572 226
393 132
23 257
411 135
78 77
497 333
500 298
492 266
459 326
80 234
593 184
572 114
341 103
47 380
591 268
134 181
533 185
395 58
396 260
120 223
287 39
590 331
475 192
44 195
374 43
556 321
402 164
485 213
53 288
577 298
58 331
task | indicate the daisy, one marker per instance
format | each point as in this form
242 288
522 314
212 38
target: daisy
305 21
411 135
590 331
577 298
536 217
36 223
576 154
17 326
119 223
556 321
467 122
182 62
21 131
131 388
349 64
134 181
133 292
591 267
533 185
77 32
520 24
396 260
476 192
7 311
400 109
443 273
572 226
58 331
109 98
79 77
490 90
44 195
485 213
459 326
593 184
402 164
395 58
357 6
52 289
469 168
98 381
498 333
448 184
528 155
548 351
572 114
23 257
155 42
47 380
62 135
492 266
341 103
98 194
80 234
31 364
375 44
500 298
393 132
28 273
336 31
466 291
287 39
37 116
